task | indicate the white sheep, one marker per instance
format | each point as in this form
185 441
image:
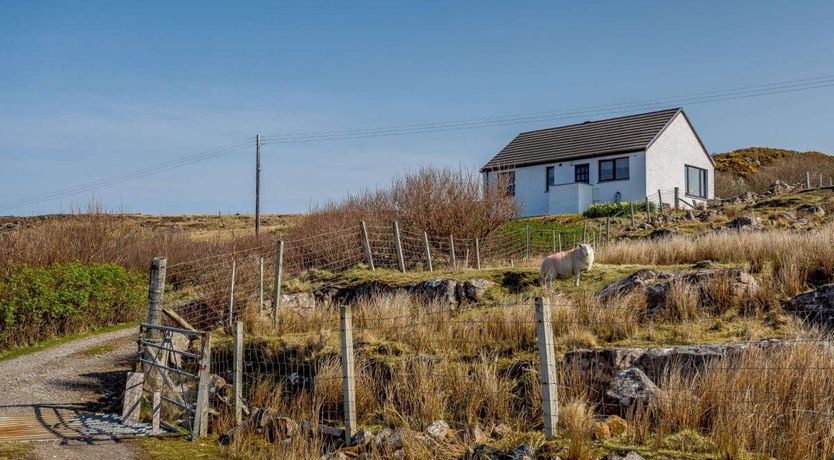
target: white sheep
566 264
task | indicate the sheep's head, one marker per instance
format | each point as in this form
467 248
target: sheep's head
586 250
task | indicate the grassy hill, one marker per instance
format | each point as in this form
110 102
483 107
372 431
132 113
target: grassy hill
754 169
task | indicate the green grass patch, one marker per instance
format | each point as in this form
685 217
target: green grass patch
29 349
167 448
17 451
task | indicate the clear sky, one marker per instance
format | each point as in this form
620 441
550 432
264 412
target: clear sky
91 89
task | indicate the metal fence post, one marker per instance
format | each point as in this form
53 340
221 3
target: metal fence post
232 296
366 245
550 397
276 287
237 404
155 291
398 247
348 389
427 249
452 251
477 254
677 198
200 427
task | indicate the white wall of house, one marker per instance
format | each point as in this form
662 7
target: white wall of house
535 200
666 160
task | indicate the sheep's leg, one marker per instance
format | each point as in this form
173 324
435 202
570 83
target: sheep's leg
578 274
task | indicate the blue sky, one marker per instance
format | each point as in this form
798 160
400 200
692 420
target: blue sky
92 89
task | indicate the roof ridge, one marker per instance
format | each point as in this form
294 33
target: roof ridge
672 109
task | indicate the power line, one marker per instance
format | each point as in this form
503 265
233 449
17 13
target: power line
610 109
788 86
128 176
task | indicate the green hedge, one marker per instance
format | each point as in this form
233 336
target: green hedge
39 303
614 209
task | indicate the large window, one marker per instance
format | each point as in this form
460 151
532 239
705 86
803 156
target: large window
582 173
615 169
696 182
550 178
507 179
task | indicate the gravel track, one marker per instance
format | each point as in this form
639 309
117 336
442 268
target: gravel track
87 375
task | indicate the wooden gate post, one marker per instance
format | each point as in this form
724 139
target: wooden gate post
200 427
398 248
547 370
366 245
348 384
276 282
156 290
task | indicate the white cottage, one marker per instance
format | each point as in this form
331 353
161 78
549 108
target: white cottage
564 170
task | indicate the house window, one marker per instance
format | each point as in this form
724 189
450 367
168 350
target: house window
582 173
550 178
507 179
696 182
615 169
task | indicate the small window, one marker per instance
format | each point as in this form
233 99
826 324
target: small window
615 169
582 173
507 179
550 178
696 182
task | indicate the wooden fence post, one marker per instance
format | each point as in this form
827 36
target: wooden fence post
366 245
648 209
348 389
660 202
527 242
553 235
200 427
133 397
560 242
276 288
477 254
237 404
155 291
547 370
677 198
261 283
607 229
428 251
232 296
452 251
820 180
398 248
574 240
585 233
631 212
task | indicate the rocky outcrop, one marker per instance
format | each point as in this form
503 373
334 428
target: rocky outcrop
445 291
745 223
810 210
815 307
626 376
656 285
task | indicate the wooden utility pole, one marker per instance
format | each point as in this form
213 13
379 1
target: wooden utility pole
257 184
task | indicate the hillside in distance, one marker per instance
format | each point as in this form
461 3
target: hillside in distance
755 169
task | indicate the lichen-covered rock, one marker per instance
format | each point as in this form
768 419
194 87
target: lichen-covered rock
746 223
438 430
637 280
811 210
816 307
628 388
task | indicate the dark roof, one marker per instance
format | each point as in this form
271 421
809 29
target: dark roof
589 139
